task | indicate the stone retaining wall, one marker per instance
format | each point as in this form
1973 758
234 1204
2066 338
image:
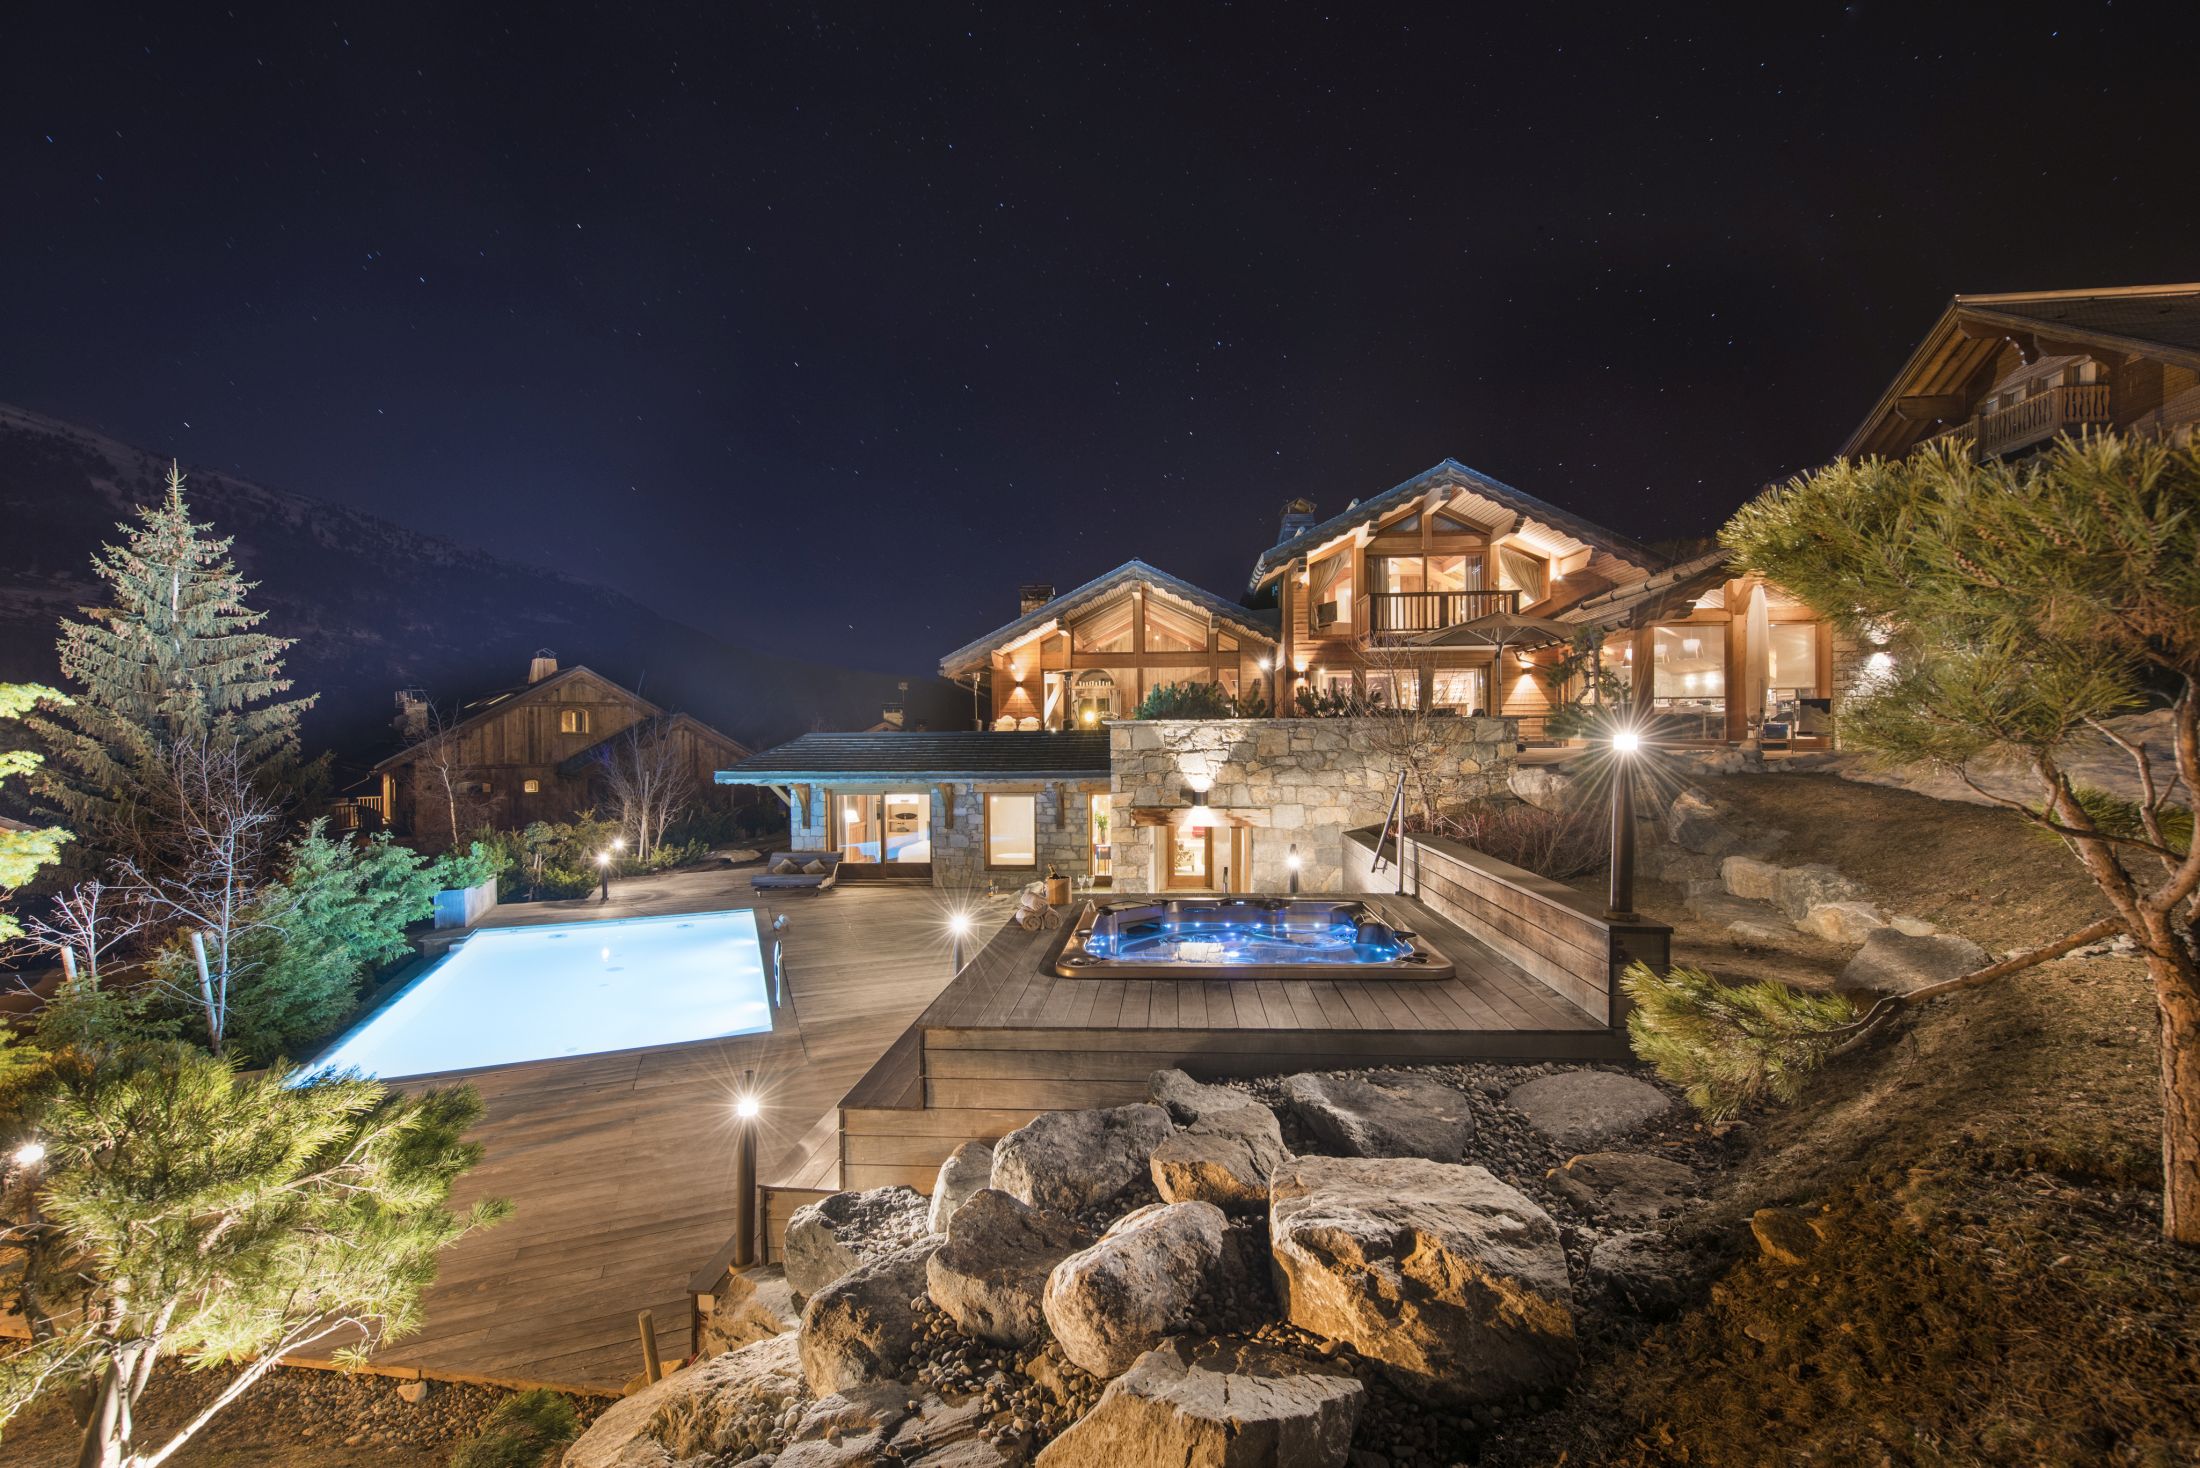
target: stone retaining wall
1302 781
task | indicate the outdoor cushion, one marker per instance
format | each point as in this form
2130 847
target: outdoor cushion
783 866
815 868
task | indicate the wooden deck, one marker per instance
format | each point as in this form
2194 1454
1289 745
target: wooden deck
1009 1039
620 1167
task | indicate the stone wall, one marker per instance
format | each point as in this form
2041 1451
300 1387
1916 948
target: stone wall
958 851
1303 781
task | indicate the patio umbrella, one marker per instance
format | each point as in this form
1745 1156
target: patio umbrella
1495 630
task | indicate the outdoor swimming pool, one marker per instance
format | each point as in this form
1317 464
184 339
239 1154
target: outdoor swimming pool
509 995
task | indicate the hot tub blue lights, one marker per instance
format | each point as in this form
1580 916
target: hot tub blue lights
1255 936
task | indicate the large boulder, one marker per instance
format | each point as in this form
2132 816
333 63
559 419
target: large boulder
990 1275
1128 1292
1581 1108
968 1168
860 1329
1846 923
750 1305
1068 1160
1384 1113
1894 962
1224 1158
882 1426
1693 823
1799 889
832 1236
1453 1281
1546 787
1219 1405
1627 1187
1750 877
1187 1100
746 1399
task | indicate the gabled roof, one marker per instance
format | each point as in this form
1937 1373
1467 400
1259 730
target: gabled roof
1453 474
964 755
2155 321
1259 624
651 728
493 704
1686 580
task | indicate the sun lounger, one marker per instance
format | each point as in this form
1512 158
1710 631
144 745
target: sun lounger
772 879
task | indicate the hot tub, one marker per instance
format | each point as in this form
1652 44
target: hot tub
1244 937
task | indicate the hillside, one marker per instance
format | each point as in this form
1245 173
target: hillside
376 607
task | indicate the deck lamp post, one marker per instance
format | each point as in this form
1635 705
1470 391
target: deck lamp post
958 928
1625 744
603 873
746 1108
1294 861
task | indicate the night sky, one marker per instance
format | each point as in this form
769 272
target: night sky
753 309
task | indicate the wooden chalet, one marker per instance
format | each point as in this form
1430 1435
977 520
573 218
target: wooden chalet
2007 373
529 753
1092 654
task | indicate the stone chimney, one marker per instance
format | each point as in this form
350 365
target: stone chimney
412 713
545 663
1033 595
1298 516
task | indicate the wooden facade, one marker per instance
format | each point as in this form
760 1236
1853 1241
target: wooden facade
1093 654
516 756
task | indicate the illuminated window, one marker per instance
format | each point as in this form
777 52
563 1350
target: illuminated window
1094 699
572 721
1012 830
1107 630
1460 689
1169 630
530 787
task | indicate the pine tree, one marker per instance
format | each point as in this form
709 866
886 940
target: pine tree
180 1210
23 851
173 656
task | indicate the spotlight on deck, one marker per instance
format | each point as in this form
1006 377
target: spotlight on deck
747 1107
958 928
745 1110
1626 743
30 1154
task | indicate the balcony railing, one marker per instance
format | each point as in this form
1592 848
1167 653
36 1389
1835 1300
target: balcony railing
2037 419
1395 618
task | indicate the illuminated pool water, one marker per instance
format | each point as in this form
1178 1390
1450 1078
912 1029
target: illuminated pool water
509 995
1241 936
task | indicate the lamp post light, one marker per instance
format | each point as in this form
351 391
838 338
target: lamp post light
958 928
603 872
1294 861
746 1109
1625 744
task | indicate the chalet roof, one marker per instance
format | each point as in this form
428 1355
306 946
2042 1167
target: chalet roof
652 728
1451 473
1687 580
1261 624
2158 321
489 705
960 755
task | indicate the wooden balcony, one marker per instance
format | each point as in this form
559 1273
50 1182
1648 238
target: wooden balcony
2037 419
1397 618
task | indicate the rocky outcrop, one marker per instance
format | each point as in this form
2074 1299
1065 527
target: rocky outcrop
1693 823
1626 1187
1224 1158
1219 1406
1453 1281
1124 1295
886 1425
1847 923
1800 890
1069 1160
1894 962
745 1400
750 1305
1382 1113
991 1274
860 1329
967 1169
1187 1100
1581 1108
1751 878
832 1236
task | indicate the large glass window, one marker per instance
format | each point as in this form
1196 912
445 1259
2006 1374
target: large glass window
1012 830
1521 571
895 826
1103 845
1689 678
1464 690
1094 700
1791 665
1390 689
1169 630
1107 630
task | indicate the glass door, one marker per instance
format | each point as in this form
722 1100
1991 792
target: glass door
893 827
1191 856
1103 848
